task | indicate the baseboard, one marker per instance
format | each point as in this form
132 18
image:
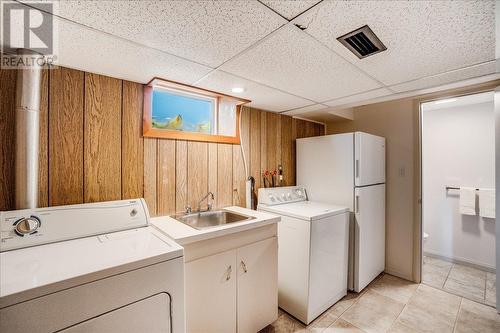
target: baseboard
462 261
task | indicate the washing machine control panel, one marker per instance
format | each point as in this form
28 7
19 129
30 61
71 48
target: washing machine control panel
281 195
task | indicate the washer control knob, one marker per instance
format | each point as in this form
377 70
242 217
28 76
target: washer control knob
283 196
289 196
27 225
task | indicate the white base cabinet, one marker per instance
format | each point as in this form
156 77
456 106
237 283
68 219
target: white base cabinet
233 291
257 294
211 293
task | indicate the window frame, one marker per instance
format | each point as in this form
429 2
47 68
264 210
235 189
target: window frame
149 131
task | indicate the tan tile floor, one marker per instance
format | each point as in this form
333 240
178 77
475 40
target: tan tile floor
468 282
394 305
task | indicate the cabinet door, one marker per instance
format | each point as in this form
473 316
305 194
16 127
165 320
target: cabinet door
211 294
257 285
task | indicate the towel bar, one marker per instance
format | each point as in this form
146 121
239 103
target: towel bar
455 188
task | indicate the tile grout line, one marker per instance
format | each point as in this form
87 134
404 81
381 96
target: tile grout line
485 286
404 307
447 276
458 313
350 306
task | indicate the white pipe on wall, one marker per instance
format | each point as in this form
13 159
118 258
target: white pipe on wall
28 91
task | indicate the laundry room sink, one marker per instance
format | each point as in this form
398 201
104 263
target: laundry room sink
212 218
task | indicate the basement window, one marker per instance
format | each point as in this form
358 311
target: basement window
177 111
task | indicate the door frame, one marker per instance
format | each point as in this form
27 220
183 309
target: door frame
497 189
492 86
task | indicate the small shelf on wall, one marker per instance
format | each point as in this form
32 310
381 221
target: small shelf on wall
173 110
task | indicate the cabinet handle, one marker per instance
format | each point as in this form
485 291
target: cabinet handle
244 266
228 273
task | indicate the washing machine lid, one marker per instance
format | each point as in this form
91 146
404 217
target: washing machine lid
305 210
51 267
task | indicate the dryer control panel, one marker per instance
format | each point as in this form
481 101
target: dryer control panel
30 227
280 195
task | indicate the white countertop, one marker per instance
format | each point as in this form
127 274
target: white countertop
184 234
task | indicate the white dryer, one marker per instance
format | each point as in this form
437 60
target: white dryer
89 268
313 241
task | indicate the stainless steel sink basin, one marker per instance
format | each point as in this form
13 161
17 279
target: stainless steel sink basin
211 218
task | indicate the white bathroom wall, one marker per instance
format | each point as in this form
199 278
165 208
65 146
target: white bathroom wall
458 149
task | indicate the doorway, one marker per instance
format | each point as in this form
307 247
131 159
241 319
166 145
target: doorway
458 180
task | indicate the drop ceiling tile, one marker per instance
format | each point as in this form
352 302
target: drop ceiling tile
292 61
208 32
359 97
262 97
290 8
449 77
305 109
422 37
89 50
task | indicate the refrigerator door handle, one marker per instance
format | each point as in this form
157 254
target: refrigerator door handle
356 204
357 168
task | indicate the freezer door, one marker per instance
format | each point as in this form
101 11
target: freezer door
369 234
325 168
369 163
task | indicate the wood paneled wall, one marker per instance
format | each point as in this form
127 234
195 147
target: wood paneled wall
92 149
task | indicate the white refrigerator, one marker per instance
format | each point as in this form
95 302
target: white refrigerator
349 170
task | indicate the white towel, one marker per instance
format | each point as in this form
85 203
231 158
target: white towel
487 203
467 201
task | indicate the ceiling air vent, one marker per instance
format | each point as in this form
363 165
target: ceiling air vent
362 42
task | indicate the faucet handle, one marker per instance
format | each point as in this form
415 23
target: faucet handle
188 209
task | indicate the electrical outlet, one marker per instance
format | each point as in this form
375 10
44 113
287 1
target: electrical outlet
402 171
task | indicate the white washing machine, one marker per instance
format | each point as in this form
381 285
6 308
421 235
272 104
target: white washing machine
89 268
313 244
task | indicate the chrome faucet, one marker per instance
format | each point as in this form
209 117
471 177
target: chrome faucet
209 205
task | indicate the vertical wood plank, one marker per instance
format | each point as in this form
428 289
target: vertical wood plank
287 151
66 136
150 157
181 199
272 142
166 177
239 176
263 145
301 128
310 129
225 175
132 141
278 142
213 171
255 146
197 172
320 129
7 137
102 132
43 153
